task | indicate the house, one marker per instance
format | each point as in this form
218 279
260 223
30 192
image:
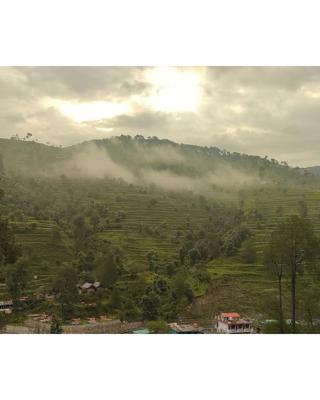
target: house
89 287
49 297
45 318
185 328
233 323
6 306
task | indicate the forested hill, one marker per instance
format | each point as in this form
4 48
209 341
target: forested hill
313 170
148 161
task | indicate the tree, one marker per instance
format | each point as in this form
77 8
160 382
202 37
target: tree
294 245
107 270
9 251
150 305
275 260
310 303
181 288
152 260
249 253
3 321
65 287
55 325
115 299
194 255
158 327
17 278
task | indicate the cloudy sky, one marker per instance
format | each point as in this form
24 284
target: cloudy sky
272 111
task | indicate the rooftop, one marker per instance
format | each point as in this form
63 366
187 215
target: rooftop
231 315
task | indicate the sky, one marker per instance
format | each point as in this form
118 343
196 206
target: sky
273 111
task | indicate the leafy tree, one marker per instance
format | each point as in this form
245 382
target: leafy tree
116 299
233 240
55 325
17 278
249 253
158 327
309 303
107 270
194 255
9 251
3 320
152 260
181 288
294 246
275 260
150 306
65 287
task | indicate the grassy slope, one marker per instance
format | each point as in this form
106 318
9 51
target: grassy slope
235 286
248 288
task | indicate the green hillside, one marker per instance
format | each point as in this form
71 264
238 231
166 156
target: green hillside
177 220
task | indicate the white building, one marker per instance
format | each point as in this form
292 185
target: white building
232 323
6 306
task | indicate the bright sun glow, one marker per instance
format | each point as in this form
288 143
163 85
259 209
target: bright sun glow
175 90
92 111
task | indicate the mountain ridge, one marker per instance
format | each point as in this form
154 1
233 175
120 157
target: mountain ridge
141 160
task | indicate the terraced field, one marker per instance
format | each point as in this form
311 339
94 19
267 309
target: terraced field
165 216
248 288
234 285
268 205
161 214
45 251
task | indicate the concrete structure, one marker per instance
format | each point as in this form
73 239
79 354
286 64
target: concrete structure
185 328
232 323
89 287
6 306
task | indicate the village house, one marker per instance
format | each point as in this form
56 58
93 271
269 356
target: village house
89 287
185 328
233 323
6 306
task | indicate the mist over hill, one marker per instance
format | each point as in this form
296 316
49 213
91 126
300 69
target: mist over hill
149 161
315 170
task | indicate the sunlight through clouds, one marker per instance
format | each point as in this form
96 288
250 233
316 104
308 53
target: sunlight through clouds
89 111
175 90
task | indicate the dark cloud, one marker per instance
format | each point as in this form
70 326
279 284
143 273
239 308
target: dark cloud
142 121
87 83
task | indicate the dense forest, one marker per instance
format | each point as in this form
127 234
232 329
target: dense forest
169 231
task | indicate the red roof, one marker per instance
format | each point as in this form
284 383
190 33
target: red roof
231 315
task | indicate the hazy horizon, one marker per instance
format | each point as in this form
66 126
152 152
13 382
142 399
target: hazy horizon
271 111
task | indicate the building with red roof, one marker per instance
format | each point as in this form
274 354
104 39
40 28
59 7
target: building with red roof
233 323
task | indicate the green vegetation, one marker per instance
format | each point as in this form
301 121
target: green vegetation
170 231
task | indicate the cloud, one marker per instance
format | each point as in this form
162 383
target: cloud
85 83
94 162
271 111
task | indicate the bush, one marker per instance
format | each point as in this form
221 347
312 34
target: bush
158 327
